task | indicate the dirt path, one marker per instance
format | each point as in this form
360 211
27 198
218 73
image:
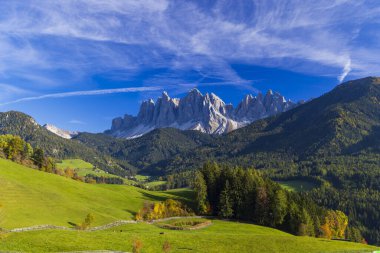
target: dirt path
103 227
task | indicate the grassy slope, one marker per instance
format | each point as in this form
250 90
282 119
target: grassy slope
83 168
221 236
74 164
30 197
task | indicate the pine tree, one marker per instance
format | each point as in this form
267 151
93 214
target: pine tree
38 157
279 207
201 192
262 206
225 205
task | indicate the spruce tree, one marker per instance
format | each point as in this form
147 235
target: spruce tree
225 205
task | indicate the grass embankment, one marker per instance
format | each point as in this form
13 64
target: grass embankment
221 236
30 197
184 223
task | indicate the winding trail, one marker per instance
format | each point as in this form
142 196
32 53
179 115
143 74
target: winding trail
98 228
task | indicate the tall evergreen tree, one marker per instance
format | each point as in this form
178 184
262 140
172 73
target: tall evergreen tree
225 202
201 193
279 207
38 157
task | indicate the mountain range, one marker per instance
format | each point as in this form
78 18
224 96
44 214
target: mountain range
332 140
205 113
344 121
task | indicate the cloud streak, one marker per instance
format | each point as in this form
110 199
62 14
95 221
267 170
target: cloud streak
84 93
124 38
346 70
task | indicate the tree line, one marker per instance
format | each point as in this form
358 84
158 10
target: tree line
16 149
245 194
13 147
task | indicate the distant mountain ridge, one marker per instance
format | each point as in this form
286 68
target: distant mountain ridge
206 113
60 132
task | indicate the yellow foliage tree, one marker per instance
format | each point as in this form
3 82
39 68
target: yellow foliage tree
335 224
159 210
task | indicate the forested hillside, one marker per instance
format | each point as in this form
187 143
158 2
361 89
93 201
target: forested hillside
20 124
333 139
245 194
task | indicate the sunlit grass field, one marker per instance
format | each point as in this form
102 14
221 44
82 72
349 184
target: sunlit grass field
31 197
297 185
221 236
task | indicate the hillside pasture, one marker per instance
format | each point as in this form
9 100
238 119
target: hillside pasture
31 197
221 236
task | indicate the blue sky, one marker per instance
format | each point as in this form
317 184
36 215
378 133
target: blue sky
78 64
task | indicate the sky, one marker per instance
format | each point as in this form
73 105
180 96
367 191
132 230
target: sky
79 64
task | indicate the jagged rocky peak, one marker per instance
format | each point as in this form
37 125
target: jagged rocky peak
60 132
207 113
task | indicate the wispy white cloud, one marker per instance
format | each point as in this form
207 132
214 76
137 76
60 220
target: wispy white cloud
86 38
346 70
84 93
10 91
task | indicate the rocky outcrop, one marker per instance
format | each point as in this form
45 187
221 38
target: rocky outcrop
60 132
206 113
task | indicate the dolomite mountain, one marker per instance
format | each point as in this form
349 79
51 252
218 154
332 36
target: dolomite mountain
206 113
60 132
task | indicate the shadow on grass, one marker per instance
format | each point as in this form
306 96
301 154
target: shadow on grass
181 193
185 196
152 197
131 212
74 225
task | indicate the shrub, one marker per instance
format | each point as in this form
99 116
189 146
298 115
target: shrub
87 222
166 247
137 245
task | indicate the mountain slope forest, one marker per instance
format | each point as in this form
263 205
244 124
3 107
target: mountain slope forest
333 140
20 124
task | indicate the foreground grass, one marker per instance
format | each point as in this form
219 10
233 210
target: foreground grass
30 197
221 236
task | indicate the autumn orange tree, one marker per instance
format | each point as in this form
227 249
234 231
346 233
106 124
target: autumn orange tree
159 210
88 220
335 224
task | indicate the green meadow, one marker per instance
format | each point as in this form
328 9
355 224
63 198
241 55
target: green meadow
74 164
31 197
221 236
297 185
